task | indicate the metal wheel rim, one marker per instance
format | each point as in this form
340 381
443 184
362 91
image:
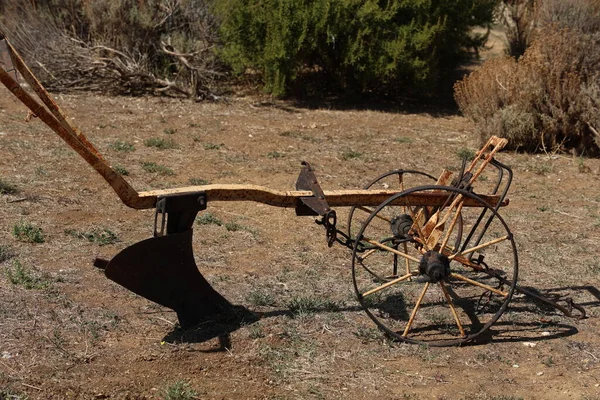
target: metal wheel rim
450 342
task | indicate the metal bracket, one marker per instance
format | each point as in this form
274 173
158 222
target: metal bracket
181 209
310 205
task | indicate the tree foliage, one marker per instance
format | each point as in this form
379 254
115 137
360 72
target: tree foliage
351 44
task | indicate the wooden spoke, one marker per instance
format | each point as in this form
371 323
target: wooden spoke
388 284
451 227
369 211
452 309
413 314
367 254
475 283
480 246
406 263
392 250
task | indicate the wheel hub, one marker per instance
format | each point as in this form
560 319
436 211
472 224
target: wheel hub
400 225
434 266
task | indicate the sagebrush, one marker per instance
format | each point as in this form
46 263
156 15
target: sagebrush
548 99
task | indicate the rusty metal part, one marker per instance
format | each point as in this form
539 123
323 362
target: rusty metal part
400 225
310 205
162 269
434 266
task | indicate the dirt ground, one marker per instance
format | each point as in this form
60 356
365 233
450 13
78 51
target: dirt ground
67 332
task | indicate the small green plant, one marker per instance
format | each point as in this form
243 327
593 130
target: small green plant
298 135
7 188
41 171
368 334
549 362
153 167
28 278
5 253
256 332
169 131
403 139
197 181
161 143
275 154
305 305
543 168
180 390
96 235
235 227
8 394
212 146
466 154
350 155
121 170
28 233
584 169
208 219
260 298
124 147
542 208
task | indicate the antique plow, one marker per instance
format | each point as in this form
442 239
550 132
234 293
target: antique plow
433 263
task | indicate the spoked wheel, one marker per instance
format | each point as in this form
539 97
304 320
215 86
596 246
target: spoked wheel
396 217
400 179
453 279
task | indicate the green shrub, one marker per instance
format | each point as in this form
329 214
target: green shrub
121 170
357 45
27 232
198 181
209 219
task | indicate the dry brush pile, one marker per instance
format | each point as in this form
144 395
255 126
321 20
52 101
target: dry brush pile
123 47
548 99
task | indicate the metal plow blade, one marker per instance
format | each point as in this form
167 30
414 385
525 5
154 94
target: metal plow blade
162 269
